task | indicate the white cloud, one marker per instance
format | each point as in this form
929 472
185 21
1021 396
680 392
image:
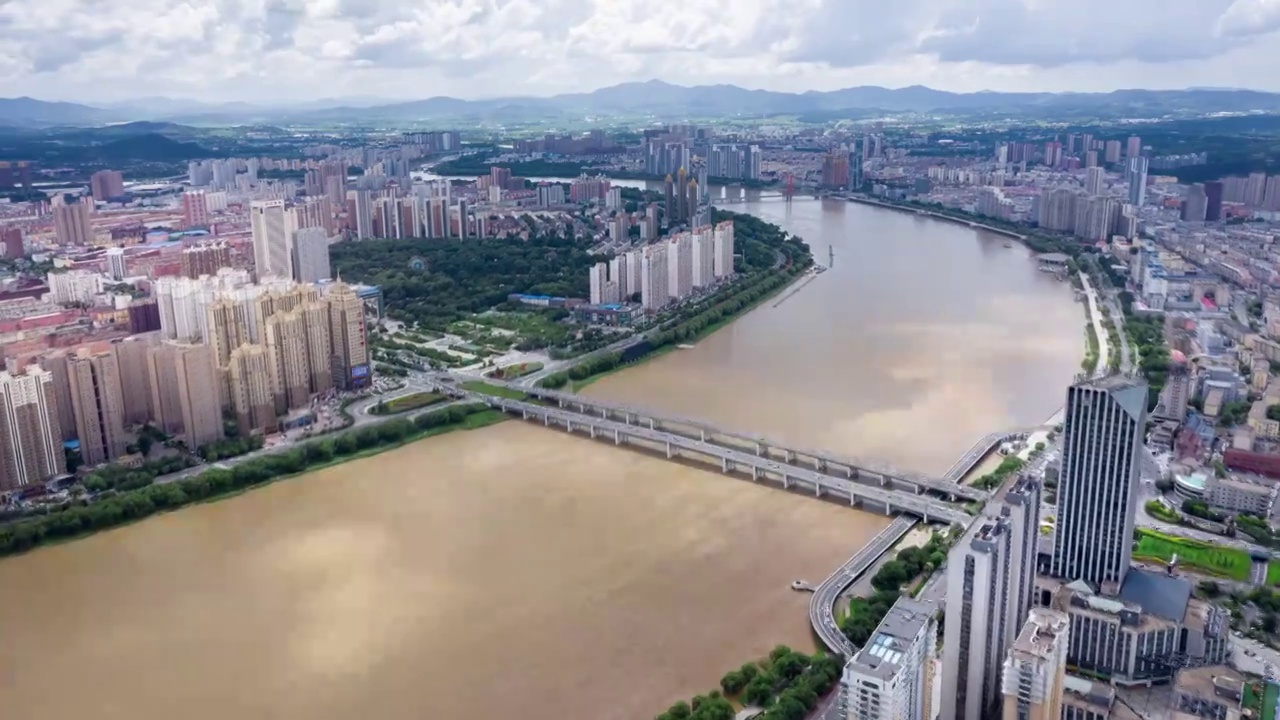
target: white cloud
288 50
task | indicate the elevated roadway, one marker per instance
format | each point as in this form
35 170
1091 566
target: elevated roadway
859 469
757 467
973 456
823 601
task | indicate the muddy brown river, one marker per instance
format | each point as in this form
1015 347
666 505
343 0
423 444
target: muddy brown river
517 571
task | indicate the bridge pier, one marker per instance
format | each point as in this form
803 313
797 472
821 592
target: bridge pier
617 437
560 402
724 465
819 464
703 433
755 473
786 482
761 449
817 489
568 425
789 456
652 424
546 419
592 430
888 508
524 414
668 450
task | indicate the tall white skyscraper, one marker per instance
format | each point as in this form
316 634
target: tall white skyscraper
1136 175
990 579
890 678
653 278
360 204
620 277
1098 484
724 249
598 276
680 265
30 442
311 255
704 257
273 226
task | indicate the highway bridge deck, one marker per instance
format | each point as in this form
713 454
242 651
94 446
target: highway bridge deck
730 460
860 469
822 603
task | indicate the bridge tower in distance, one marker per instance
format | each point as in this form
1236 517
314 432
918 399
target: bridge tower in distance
789 189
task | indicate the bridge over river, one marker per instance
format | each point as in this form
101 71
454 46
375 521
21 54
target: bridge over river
913 497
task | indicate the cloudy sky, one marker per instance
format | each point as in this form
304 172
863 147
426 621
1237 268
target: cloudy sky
297 50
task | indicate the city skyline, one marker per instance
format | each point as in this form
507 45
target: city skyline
293 52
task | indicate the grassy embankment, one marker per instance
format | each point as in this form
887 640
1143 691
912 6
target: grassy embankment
405 403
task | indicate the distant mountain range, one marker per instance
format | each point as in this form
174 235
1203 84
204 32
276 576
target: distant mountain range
656 98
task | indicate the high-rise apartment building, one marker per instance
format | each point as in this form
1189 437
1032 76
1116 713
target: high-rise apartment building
106 184
723 249
347 332
30 442
1112 151
1213 201
98 404
205 258
619 275
249 377
1098 484
71 223
1095 179
835 170
1133 147
55 363
116 267
287 352
1035 669
680 265
682 196
1255 189
990 584
226 327
184 392
135 382
311 255
654 277
273 227
315 318
1195 204
704 257
1136 176
195 209
12 242
891 677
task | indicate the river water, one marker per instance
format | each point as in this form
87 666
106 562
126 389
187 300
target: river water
519 572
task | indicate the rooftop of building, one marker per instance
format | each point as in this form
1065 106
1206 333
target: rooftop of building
884 652
1213 681
1158 594
1096 696
1041 631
